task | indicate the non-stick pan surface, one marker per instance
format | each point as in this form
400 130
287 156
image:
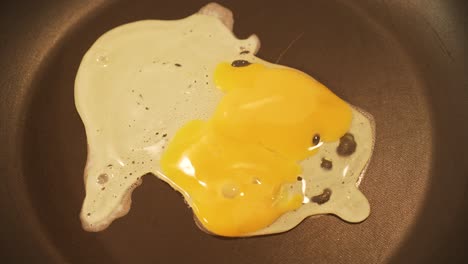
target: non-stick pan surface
403 61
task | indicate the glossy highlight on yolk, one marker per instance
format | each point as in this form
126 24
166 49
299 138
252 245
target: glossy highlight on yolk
234 169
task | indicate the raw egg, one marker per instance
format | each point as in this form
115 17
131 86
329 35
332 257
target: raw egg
253 147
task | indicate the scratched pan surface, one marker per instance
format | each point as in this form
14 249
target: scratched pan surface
403 61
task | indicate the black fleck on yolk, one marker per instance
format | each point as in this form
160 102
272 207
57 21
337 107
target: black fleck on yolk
316 139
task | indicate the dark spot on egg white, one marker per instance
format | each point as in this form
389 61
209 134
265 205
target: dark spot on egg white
244 52
299 178
133 162
164 135
103 188
240 63
102 178
323 197
88 214
178 65
326 164
347 145
147 108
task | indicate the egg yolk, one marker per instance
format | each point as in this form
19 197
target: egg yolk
235 168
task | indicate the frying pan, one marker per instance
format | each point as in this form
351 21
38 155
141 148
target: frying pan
403 61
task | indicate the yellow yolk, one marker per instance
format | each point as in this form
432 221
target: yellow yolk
234 168
279 108
233 190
